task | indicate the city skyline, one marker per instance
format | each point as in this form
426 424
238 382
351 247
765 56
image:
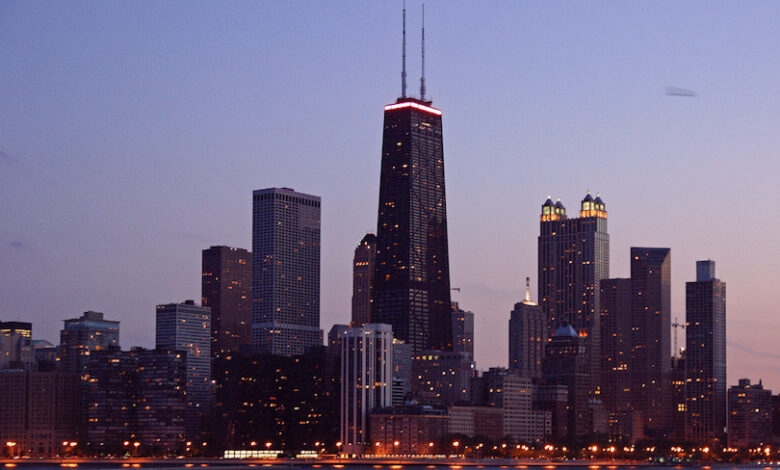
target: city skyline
707 197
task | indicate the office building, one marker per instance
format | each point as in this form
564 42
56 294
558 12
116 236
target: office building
750 415
527 337
651 339
412 279
226 288
363 266
187 327
462 331
16 348
678 398
573 258
441 378
402 372
615 306
285 271
81 336
705 356
566 362
366 381
38 412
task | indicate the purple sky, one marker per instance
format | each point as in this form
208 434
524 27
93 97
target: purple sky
133 133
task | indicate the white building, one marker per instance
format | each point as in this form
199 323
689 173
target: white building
366 380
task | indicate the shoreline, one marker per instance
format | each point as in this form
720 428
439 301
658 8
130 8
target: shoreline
395 463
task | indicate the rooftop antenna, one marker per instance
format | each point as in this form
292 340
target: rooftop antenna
403 57
422 77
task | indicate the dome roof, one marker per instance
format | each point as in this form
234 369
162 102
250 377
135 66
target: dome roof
559 205
588 198
548 202
565 330
598 200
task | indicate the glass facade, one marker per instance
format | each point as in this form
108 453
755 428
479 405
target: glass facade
412 280
705 357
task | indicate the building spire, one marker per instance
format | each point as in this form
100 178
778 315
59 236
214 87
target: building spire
422 77
527 289
403 56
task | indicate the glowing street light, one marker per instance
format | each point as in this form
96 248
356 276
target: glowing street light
268 445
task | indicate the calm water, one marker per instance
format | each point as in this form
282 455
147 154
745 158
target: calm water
173 465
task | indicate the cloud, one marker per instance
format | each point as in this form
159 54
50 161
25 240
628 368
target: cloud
753 352
17 245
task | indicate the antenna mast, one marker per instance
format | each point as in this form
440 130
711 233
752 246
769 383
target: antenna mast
422 77
403 57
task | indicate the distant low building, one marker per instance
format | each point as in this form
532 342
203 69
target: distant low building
477 421
413 430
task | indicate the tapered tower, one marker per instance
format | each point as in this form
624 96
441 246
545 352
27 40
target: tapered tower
412 280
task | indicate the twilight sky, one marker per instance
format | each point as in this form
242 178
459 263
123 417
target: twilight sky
133 133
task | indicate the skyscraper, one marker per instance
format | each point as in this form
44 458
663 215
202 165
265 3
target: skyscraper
573 258
366 381
705 356
566 363
226 287
412 280
462 331
83 335
362 279
187 327
615 306
651 322
527 337
285 271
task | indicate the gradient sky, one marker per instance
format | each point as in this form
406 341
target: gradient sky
133 133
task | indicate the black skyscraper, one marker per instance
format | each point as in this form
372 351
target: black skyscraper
412 278
651 344
705 356
573 258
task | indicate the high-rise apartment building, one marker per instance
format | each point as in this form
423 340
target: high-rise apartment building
81 336
705 356
651 358
285 271
136 396
366 381
412 279
291 402
527 337
573 258
363 267
462 331
226 288
750 415
187 327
